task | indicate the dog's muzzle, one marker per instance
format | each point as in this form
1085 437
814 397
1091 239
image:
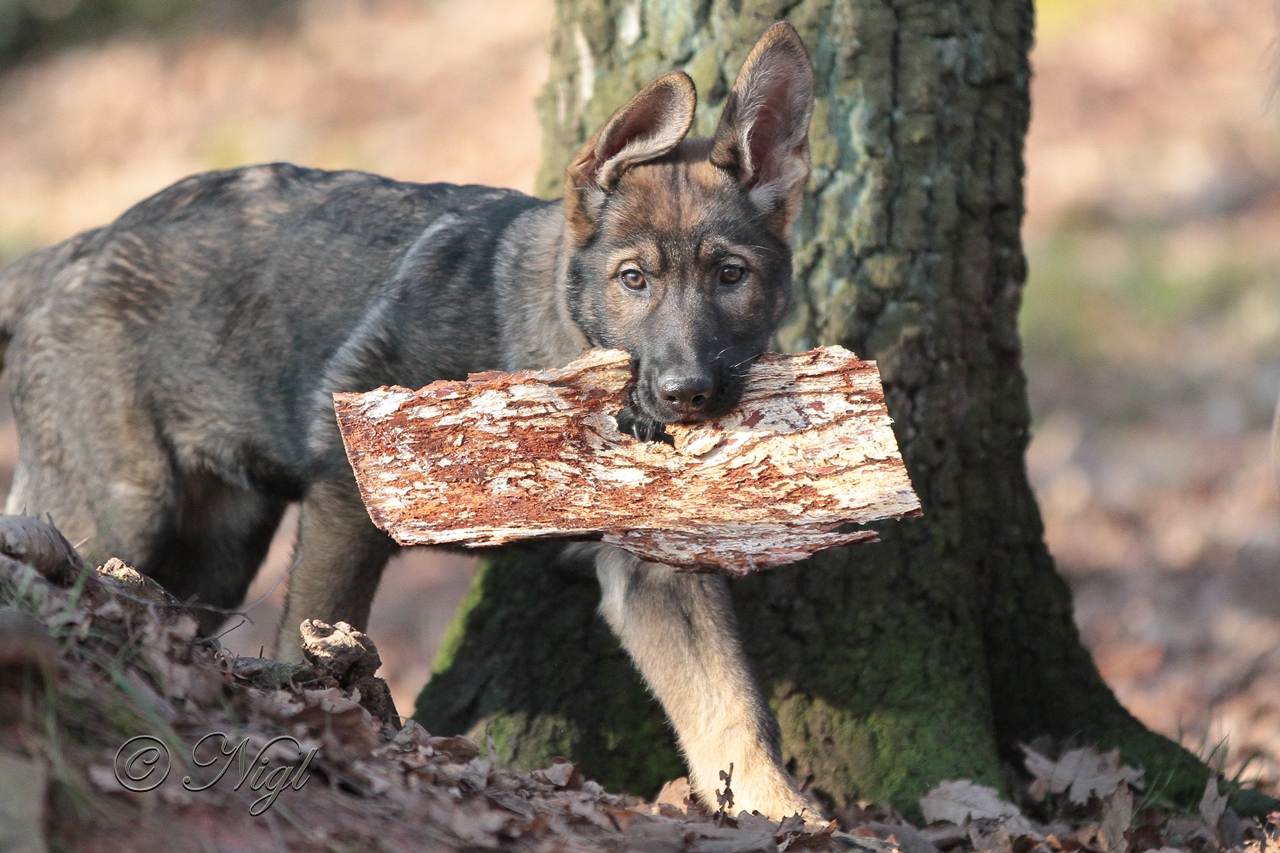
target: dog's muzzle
687 395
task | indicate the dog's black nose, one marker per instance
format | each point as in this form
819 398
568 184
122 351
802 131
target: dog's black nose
686 394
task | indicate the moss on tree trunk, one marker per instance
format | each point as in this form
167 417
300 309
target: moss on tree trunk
528 663
893 666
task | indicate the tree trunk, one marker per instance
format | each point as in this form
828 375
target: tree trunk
893 666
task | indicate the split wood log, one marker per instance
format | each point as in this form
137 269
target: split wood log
806 457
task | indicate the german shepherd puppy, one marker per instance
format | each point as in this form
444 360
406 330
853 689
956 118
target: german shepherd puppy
172 372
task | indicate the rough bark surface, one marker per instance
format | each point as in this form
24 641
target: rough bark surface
930 655
502 458
530 665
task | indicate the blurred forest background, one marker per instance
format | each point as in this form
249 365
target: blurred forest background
1151 321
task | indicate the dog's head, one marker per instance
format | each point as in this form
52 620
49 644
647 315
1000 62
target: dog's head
681 247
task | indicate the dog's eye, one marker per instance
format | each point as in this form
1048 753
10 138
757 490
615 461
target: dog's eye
732 273
632 279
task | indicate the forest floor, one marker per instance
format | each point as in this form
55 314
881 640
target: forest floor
1151 320
241 753
121 729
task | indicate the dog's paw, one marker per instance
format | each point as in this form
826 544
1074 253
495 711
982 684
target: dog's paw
641 427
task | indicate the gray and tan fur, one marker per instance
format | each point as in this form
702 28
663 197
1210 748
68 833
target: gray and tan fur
172 372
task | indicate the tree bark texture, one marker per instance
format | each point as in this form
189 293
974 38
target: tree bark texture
930 655
530 664
806 456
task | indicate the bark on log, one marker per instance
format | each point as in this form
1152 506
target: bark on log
34 543
807 455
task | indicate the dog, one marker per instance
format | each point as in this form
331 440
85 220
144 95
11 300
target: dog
172 373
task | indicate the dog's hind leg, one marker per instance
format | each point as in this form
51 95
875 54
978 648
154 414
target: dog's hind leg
337 563
203 540
219 538
41 491
681 632
108 485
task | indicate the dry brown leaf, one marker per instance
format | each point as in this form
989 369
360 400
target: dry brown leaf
457 747
1117 815
961 800
559 773
1084 836
675 795
330 700
1191 830
1080 773
1212 804
478 828
994 841
907 838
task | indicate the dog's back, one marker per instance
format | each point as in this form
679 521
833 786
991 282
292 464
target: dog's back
177 365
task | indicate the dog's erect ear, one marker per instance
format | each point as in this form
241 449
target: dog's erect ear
645 128
763 137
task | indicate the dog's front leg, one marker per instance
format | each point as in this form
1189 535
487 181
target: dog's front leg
337 562
681 632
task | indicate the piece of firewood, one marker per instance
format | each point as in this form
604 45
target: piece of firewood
807 455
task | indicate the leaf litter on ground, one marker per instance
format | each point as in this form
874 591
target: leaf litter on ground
1080 773
92 657
1087 799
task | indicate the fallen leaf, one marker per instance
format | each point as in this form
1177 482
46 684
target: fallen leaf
1146 837
994 841
1117 814
412 734
907 838
339 650
1231 829
1085 835
1079 772
330 700
958 801
1212 804
457 747
674 794
562 773
1019 826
